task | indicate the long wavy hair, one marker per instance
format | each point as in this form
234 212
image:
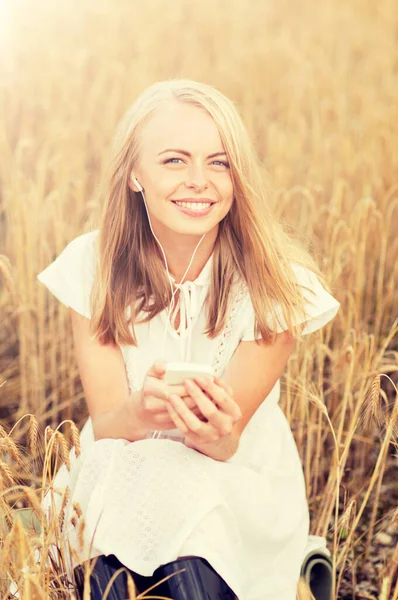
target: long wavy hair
131 283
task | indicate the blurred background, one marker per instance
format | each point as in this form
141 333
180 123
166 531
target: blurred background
316 84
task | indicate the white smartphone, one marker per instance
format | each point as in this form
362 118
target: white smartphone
176 372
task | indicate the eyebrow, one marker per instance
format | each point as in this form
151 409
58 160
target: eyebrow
189 154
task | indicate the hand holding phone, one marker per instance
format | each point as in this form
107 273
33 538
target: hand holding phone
153 398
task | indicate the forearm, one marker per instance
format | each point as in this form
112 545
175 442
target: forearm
222 449
123 422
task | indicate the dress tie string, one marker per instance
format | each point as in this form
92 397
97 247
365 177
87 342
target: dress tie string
189 303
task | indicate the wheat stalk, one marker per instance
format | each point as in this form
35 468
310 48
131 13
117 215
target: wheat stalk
6 473
81 534
5 273
33 435
373 406
65 500
64 448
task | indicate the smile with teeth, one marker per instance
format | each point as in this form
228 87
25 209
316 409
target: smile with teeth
194 205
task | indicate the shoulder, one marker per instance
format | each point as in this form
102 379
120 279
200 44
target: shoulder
316 297
319 304
80 254
71 275
305 277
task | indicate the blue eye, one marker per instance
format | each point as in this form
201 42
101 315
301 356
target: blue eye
222 163
169 160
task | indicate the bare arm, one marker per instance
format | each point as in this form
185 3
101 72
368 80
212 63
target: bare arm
121 422
114 412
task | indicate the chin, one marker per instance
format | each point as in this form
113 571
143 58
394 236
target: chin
198 228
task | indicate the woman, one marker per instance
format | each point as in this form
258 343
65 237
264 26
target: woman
205 475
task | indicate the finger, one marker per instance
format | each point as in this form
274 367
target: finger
221 397
164 420
156 388
225 386
222 421
198 413
158 369
159 389
179 389
190 423
189 402
154 404
178 422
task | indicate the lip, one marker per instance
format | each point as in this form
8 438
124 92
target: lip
195 200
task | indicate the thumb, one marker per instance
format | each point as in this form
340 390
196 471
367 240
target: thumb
158 369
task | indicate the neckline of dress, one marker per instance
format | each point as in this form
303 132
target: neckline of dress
192 296
204 277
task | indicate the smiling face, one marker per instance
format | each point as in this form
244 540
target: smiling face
181 159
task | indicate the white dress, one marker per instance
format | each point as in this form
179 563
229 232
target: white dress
153 500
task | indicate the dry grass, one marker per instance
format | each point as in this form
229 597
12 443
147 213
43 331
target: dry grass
317 86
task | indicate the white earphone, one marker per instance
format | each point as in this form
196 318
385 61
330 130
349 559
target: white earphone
136 183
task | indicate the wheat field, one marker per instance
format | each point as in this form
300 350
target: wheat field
316 84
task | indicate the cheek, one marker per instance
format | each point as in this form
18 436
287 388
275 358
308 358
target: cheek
160 181
162 186
227 188
226 204
225 211
227 192
158 193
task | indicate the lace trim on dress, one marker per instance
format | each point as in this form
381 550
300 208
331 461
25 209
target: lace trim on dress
131 374
222 356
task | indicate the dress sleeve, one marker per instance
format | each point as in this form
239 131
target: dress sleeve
320 307
70 276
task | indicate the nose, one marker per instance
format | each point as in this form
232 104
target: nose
197 177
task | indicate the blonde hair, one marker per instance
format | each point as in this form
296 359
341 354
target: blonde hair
131 275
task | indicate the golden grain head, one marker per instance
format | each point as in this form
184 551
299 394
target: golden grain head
33 435
61 519
63 445
33 500
372 411
66 496
77 508
81 530
75 438
16 453
7 473
318 403
65 499
48 433
3 432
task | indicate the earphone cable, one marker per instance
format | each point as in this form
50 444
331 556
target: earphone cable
157 434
